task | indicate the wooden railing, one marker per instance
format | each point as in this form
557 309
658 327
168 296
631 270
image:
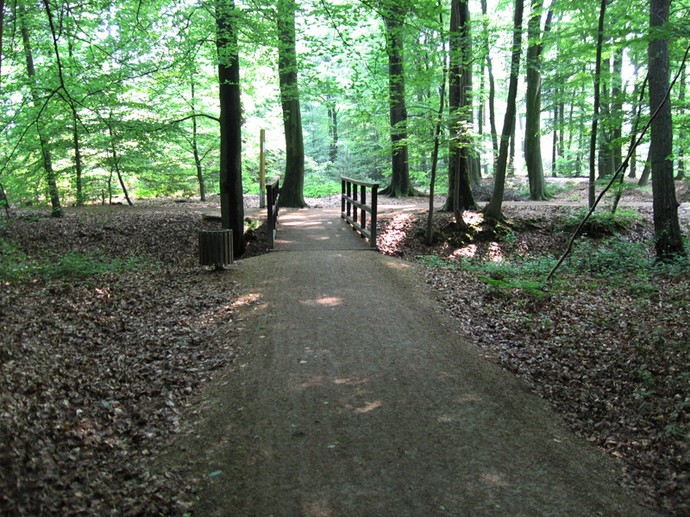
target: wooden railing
272 195
354 207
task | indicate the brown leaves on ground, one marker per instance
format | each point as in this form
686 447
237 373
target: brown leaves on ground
613 356
96 372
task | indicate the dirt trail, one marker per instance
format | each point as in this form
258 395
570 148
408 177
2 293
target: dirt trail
356 397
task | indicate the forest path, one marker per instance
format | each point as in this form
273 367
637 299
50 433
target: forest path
355 396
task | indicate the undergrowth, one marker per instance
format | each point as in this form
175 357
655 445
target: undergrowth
16 266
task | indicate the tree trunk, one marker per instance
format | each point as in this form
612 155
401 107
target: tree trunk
292 189
437 137
617 97
116 164
646 171
400 186
555 141
460 107
2 25
492 89
604 156
680 175
78 167
494 208
195 147
51 178
333 132
669 241
533 158
634 122
597 99
231 198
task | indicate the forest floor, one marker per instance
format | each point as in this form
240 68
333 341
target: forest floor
84 413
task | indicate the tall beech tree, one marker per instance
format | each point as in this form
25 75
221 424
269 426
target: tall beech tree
460 108
231 196
535 47
669 238
394 14
292 190
494 209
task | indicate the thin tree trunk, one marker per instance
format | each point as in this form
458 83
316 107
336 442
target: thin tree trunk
78 166
45 146
2 25
116 164
333 132
680 174
195 146
555 142
617 95
231 195
492 90
669 239
597 99
637 101
494 208
604 156
646 171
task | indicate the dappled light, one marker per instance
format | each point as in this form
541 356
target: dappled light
494 479
469 251
395 233
369 406
349 382
326 301
495 252
317 508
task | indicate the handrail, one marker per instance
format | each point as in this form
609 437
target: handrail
354 198
272 195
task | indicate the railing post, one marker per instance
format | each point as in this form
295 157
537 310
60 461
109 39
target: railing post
373 218
363 200
273 191
355 200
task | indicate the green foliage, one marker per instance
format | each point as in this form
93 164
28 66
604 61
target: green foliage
599 224
435 261
321 189
614 257
17 267
128 70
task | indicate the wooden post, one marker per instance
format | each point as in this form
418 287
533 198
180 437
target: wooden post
262 168
374 214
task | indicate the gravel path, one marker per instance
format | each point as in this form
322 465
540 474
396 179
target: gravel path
355 396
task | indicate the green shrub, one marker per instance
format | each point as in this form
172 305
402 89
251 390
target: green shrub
600 224
16 266
615 256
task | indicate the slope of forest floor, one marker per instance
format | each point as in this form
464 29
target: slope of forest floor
110 330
